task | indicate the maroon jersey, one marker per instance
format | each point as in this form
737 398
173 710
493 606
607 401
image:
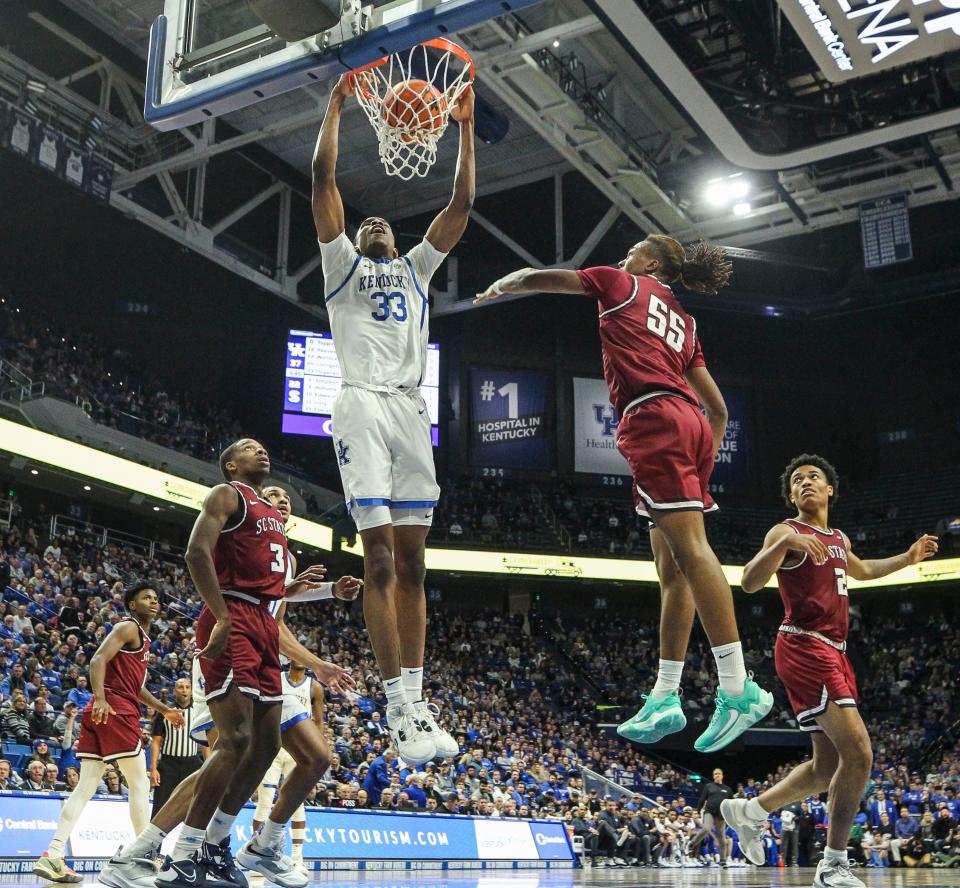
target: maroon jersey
648 340
815 596
125 675
251 554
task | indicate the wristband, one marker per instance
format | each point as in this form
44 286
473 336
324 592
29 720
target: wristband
314 593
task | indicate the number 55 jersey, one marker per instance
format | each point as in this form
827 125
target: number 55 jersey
649 343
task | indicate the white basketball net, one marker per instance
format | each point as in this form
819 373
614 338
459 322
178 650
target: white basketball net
408 132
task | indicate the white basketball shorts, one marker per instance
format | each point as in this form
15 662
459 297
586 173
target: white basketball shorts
383 447
200 719
293 711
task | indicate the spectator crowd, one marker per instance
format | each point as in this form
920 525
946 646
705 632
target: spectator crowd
525 724
113 390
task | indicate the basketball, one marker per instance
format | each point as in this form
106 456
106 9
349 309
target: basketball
416 106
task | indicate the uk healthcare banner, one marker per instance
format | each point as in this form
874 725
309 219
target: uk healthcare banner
509 418
732 466
595 430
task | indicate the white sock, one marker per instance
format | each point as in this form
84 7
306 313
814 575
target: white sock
393 688
149 840
56 849
668 678
833 857
270 835
189 841
730 669
412 681
219 827
754 810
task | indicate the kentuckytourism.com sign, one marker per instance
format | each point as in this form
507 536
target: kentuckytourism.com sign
853 38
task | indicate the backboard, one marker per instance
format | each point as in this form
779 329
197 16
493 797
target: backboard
209 57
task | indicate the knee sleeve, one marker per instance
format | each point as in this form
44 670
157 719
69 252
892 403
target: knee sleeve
265 796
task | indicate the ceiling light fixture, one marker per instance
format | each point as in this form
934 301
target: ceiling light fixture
725 190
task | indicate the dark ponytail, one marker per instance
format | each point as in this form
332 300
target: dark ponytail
706 269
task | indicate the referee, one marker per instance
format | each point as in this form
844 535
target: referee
174 756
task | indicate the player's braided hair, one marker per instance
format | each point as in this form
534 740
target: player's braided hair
704 269
809 459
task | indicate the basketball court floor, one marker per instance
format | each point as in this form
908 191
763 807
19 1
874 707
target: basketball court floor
590 878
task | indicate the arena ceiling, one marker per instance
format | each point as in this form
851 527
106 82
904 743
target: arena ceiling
640 103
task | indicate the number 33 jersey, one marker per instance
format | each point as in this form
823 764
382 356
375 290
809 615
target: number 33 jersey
379 312
649 342
815 595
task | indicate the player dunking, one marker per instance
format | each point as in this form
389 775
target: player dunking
133 866
378 315
812 562
111 725
656 374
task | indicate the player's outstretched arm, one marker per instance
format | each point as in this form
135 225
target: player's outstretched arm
220 504
447 228
700 380
170 713
327 203
780 542
874 568
533 280
123 634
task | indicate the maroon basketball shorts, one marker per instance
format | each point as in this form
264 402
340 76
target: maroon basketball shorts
669 446
251 660
814 675
119 737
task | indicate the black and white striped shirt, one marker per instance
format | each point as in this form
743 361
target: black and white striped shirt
177 742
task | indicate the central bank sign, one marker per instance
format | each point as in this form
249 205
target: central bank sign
854 38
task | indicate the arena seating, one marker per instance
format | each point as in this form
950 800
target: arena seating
524 719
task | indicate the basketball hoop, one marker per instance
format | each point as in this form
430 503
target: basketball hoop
408 97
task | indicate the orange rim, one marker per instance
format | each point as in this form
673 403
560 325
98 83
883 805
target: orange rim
437 43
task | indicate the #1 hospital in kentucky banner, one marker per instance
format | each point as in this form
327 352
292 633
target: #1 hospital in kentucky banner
509 418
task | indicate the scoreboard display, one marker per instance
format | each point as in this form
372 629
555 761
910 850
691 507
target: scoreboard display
312 379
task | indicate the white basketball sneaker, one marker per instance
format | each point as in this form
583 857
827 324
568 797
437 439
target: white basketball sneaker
835 875
748 830
427 714
412 740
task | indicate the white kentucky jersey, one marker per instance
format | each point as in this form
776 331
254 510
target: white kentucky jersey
297 692
379 312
